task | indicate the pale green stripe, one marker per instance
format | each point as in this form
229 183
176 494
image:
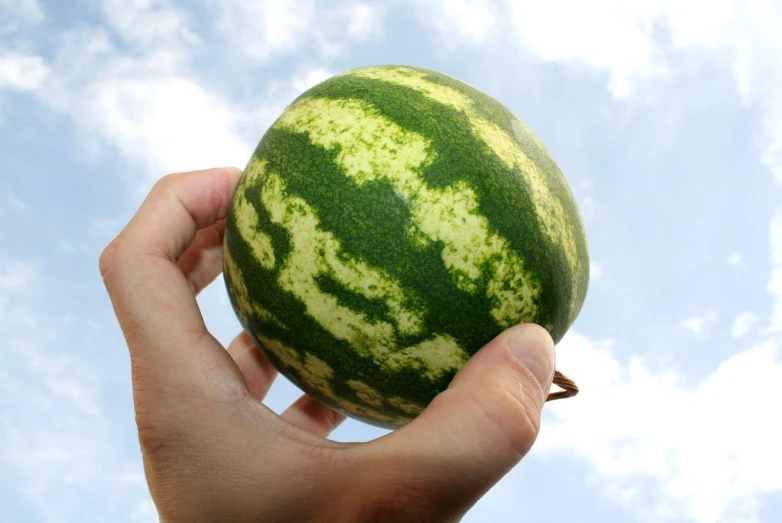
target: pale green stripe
315 252
372 147
548 207
246 308
246 219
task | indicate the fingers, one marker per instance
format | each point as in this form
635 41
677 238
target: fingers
472 434
202 262
312 416
151 295
305 413
258 373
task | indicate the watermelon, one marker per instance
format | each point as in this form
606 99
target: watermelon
390 223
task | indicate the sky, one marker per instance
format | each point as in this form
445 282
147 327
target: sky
665 117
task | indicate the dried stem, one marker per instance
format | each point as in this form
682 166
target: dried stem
569 387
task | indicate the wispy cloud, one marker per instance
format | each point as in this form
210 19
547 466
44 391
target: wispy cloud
699 325
775 281
15 203
22 72
365 21
15 275
310 78
736 258
635 43
590 35
265 31
55 439
132 80
15 14
150 25
595 271
634 424
742 324
135 88
459 22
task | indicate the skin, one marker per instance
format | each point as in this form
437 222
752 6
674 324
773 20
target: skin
213 452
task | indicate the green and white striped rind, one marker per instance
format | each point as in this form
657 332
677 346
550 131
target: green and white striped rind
391 222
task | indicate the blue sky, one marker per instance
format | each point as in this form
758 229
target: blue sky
665 117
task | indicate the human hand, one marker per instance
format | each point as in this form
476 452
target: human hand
213 452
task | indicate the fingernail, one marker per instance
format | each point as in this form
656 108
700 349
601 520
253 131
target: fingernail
237 171
534 348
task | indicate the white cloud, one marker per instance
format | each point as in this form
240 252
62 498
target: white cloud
22 72
149 24
704 451
742 324
15 275
588 205
265 31
627 41
173 122
595 271
309 79
63 377
134 85
759 72
54 437
699 325
365 21
143 98
775 282
701 450
696 325
620 40
144 101
632 42
736 258
55 458
18 13
459 21
604 35
15 203
166 123
17 279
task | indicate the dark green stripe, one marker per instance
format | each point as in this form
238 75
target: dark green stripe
502 194
371 222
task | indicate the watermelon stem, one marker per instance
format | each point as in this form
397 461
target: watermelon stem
569 387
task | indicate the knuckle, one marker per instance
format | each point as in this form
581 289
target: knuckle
167 181
108 259
113 261
112 256
166 185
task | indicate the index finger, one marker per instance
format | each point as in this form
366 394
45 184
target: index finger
152 299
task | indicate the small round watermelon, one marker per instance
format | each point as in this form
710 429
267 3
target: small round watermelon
390 223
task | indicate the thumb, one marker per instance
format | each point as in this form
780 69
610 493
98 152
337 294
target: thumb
474 432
